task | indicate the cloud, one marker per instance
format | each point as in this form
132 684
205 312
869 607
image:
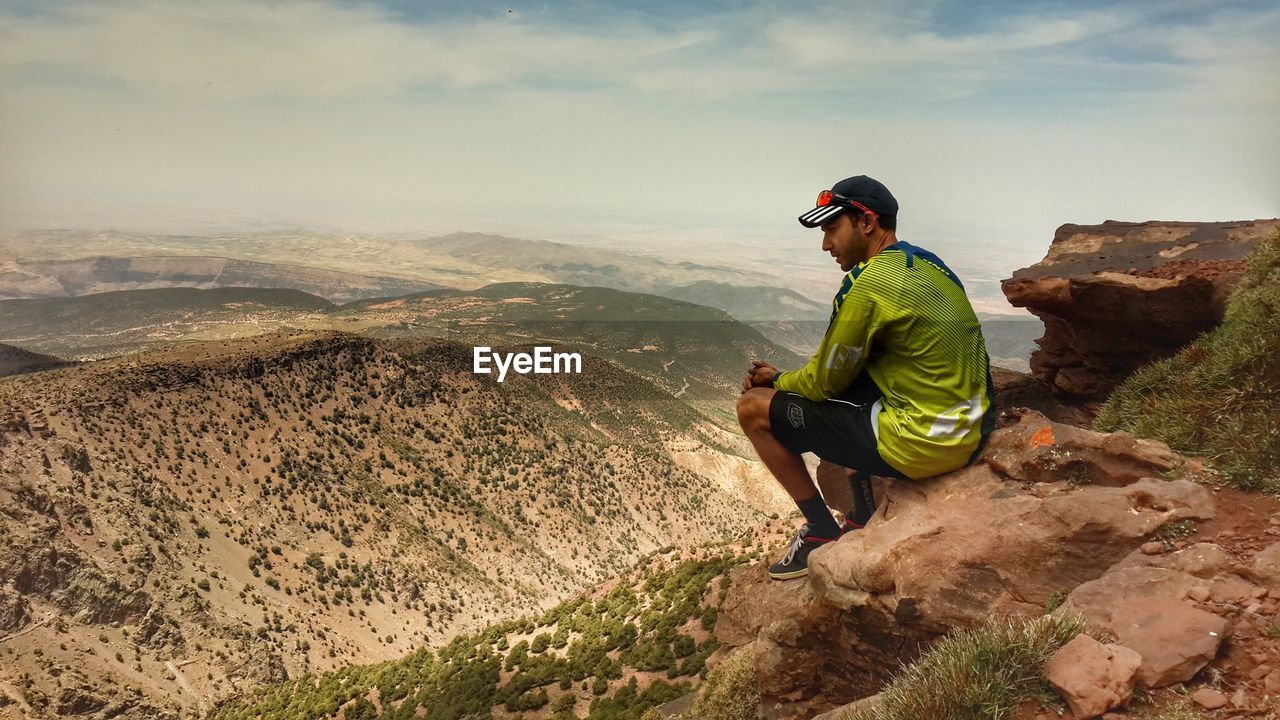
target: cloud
240 49
995 129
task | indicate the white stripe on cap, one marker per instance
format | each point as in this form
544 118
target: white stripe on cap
820 213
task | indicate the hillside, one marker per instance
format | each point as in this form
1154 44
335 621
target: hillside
16 361
582 265
462 260
46 278
638 641
194 521
119 322
696 352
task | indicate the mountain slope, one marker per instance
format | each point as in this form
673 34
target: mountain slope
16 361
117 322
225 514
751 303
698 352
640 640
40 278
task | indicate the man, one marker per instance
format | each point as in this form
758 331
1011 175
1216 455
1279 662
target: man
900 385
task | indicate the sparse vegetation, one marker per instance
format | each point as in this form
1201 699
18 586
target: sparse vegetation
730 692
395 502
1220 396
979 674
604 640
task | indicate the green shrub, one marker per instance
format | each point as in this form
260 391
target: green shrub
980 674
1220 396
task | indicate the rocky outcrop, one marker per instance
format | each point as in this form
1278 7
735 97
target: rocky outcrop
1049 508
261 668
15 611
43 564
1116 296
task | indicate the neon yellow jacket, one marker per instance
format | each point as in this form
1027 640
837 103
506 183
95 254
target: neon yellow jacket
905 317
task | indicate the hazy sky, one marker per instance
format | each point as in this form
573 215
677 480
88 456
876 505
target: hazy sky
993 123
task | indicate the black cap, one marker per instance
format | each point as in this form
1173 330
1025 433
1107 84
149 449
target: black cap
869 192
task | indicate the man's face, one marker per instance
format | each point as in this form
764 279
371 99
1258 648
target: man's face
845 241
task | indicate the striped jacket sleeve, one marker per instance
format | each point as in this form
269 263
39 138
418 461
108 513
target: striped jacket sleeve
842 354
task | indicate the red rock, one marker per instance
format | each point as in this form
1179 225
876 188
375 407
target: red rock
1209 699
1271 683
1266 569
1152 548
1093 677
1116 296
1231 590
1140 606
954 551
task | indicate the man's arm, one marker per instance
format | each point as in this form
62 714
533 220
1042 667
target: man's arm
843 350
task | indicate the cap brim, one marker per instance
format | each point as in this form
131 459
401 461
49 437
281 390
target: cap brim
820 214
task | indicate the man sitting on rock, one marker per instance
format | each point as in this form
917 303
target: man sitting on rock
900 386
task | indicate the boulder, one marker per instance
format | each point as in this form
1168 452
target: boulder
1116 296
1148 610
1092 677
1047 508
1266 566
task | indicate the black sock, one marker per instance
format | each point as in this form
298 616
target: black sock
821 524
864 502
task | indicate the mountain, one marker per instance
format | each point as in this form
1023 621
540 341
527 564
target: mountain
751 303
118 322
16 361
581 265
227 513
696 352
46 278
37 263
1011 339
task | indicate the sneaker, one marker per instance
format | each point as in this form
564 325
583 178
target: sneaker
796 562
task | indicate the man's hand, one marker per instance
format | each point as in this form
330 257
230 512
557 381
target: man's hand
761 374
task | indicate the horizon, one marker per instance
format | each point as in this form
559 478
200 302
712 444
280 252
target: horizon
623 125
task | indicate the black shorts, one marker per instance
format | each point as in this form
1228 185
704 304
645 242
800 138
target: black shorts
837 429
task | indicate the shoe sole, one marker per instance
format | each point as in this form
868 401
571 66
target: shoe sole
788 575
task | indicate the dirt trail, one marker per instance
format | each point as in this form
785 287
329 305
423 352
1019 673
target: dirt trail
182 682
